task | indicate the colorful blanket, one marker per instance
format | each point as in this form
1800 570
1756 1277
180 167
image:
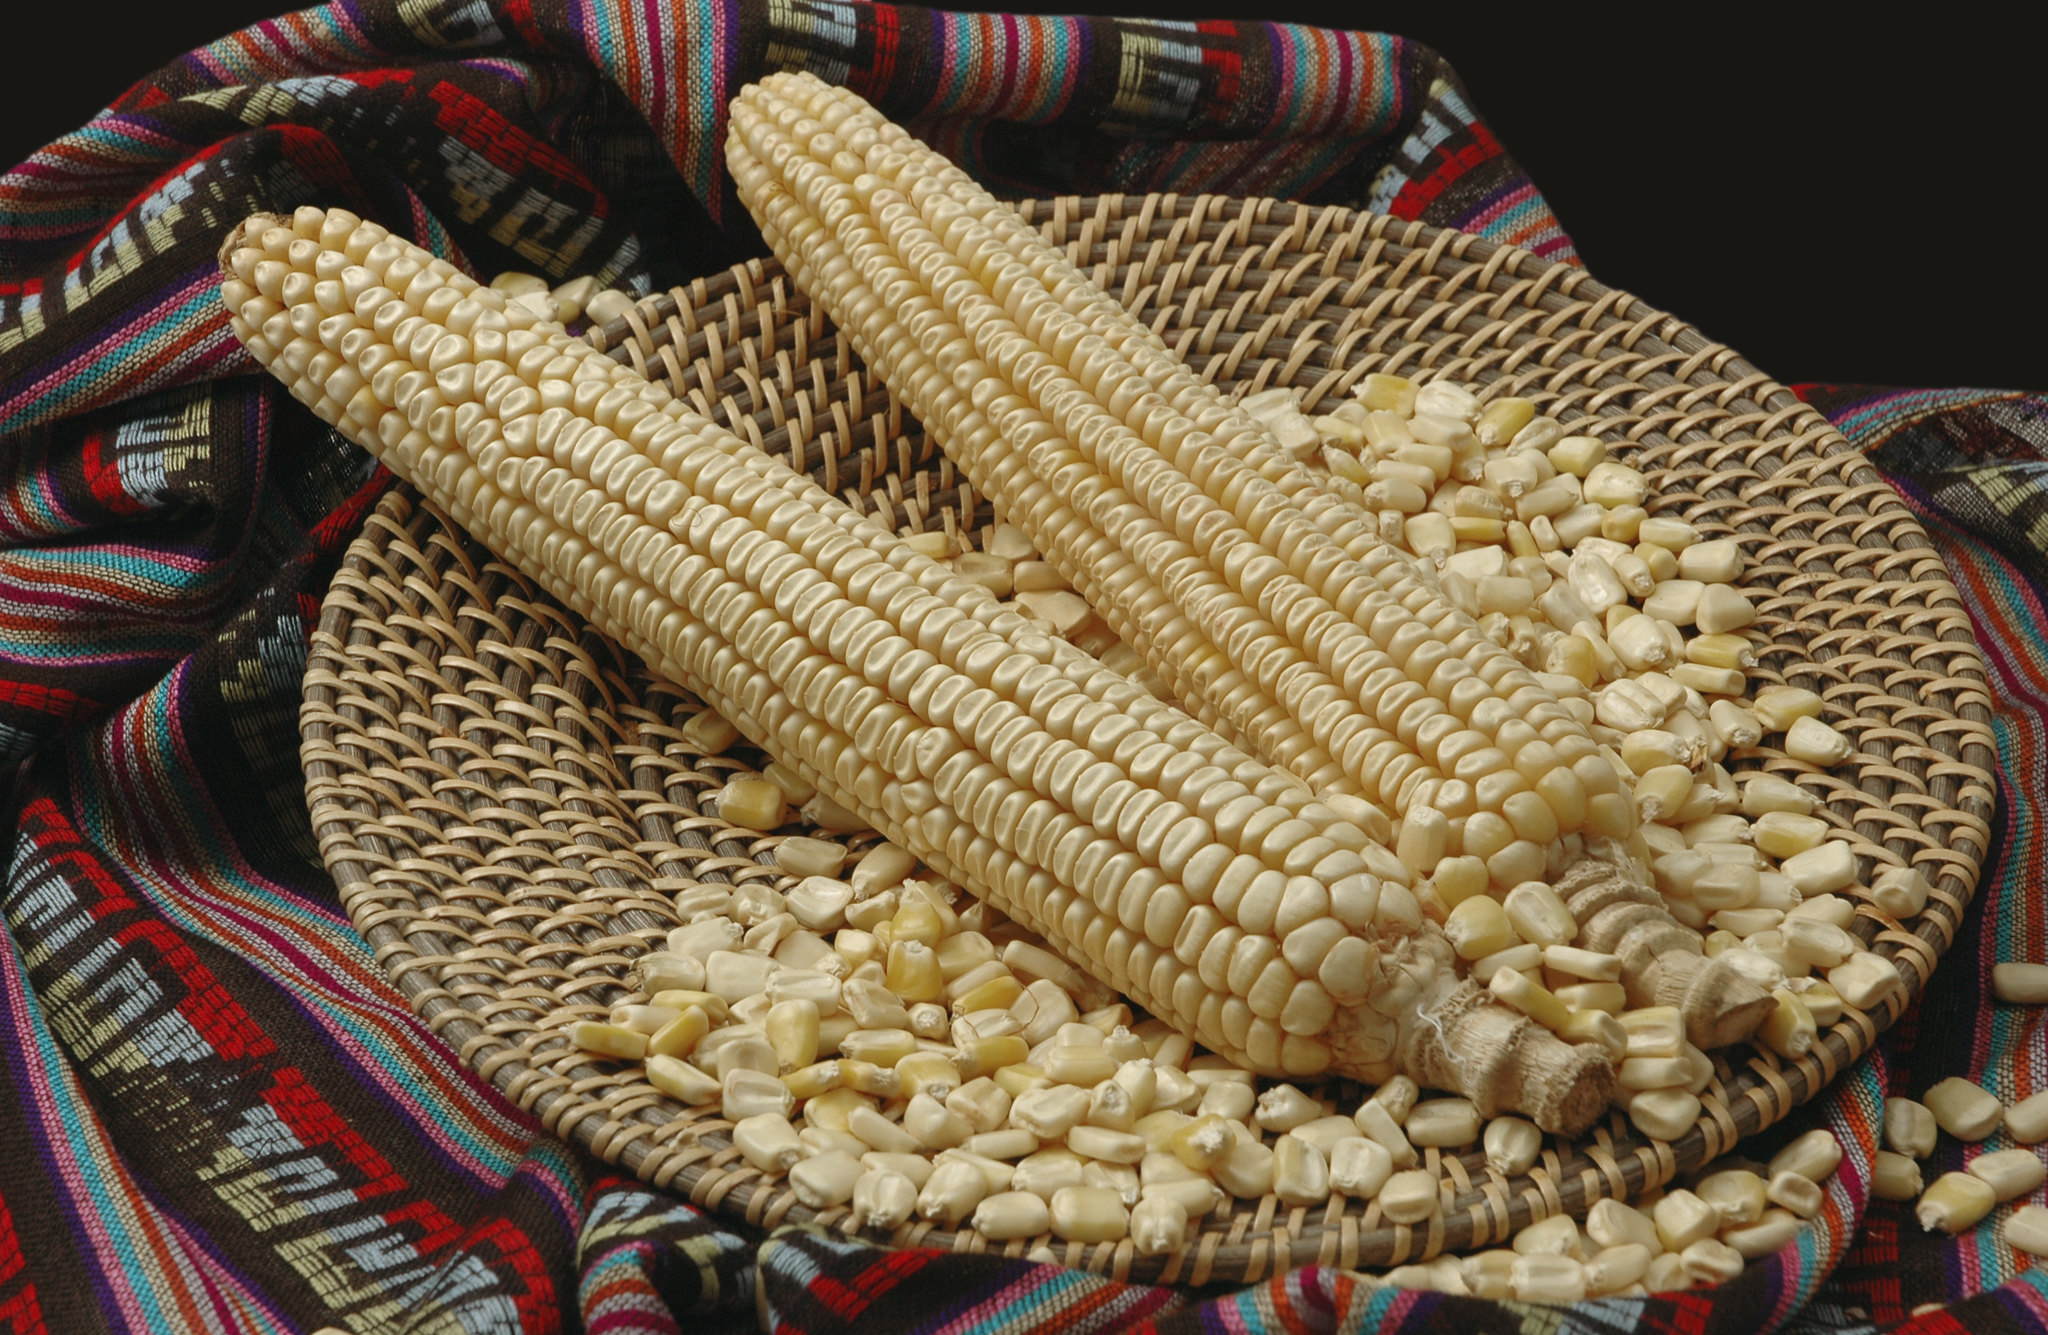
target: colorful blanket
214 1112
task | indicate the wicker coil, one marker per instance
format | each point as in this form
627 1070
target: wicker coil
506 801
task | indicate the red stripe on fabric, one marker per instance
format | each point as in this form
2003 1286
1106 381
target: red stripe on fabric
1012 69
338 529
881 70
313 1120
22 1311
540 1312
1416 195
503 144
378 78
37 698
207 1006
440 1230
103 477
1227 65
849 1298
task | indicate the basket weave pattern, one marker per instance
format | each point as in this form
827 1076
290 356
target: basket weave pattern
506 801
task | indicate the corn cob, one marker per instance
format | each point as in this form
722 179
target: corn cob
1108 821
1257 598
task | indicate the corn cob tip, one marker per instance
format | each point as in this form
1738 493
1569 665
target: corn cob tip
243 234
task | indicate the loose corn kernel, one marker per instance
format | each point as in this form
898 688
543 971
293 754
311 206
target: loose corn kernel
1682 1219
1246 1170
824 1181
1810 740
952 1192
1547 1279
1301 1174
1783 834
1159 1225
1613 1223
933 1125
1512 1144
1011 1214
2010 1173
883 1199
2027 1120
1359 1167
1790 1031
1895 1177
1711 1261
808 1082
1442 1123
1611 998
1664 1114
793 1033
880 1133
1654 1031
1121 1179
1489 1274
1909 1127
753 804
1813 1156
803 856
1479 926
2027 1229
1408 1197
1791 1191
680 1036
608 1040
2020 984
1597 1027
1531 998
1900 891
767 1141
1737 1193
1075 1065
1823 869
1955 1202
1615 1268
681 1081
1865 980
1102 1143
834 1107
1557 1235
1004 1144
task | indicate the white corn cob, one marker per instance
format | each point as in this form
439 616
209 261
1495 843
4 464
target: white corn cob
1013 763
1266 609
1259 599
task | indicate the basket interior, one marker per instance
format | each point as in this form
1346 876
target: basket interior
506 800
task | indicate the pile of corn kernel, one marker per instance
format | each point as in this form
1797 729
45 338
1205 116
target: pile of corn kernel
887 1046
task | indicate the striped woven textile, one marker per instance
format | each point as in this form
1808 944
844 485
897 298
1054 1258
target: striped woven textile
215 1115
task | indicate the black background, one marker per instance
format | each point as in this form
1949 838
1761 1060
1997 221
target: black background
1851 202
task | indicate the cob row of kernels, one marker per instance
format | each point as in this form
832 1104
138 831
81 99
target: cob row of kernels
1244 607
1006 760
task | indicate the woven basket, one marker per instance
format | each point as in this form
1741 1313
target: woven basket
505 799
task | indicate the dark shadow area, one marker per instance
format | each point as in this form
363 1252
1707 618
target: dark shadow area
1841 203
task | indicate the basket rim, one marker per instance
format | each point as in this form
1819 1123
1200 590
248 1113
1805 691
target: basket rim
1272 1237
